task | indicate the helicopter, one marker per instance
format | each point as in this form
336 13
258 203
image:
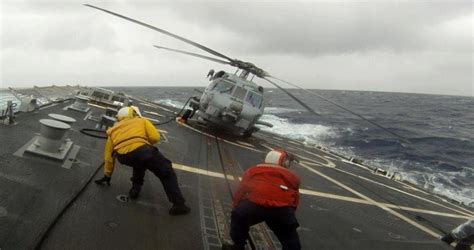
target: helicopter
230 101
234 102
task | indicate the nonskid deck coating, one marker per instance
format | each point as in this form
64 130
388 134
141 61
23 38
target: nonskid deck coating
332 214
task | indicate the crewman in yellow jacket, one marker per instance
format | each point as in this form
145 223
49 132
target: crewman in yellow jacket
131 141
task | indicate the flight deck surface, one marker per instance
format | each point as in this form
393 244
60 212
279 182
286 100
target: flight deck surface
344 205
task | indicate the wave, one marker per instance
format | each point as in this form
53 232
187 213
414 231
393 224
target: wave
306 133
279 110
169 102
422 170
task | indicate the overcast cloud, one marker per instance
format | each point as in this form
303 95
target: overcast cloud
402 46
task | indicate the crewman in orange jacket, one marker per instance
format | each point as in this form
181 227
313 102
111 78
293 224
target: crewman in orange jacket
131 141
268 192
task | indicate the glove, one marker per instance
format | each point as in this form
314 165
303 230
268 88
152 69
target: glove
102 180
448 238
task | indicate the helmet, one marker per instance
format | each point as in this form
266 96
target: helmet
280 157
128 112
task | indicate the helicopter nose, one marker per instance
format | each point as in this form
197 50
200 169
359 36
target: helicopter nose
236 107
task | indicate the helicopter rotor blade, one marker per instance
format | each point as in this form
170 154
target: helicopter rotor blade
292 96
163 32
404 139
192 54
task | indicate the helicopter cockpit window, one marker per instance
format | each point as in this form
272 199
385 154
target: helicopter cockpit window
239 93
254 99
224 87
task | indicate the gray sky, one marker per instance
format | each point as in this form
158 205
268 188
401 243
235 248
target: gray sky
401 46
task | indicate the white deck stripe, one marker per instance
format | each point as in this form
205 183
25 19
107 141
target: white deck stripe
218 138
396 189
153 113
375 203
97 106
321 194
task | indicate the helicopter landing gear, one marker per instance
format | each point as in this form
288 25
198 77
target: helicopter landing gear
247 133
187 114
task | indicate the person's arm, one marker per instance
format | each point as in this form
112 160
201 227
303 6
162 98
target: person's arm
109 162
241 190
151 132
109 159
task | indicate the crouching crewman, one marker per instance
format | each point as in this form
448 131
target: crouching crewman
131 141
268 193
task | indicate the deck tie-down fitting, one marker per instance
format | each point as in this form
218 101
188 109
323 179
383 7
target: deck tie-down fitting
51 135
51 142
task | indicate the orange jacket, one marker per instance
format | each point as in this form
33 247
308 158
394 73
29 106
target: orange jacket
125 136
269 186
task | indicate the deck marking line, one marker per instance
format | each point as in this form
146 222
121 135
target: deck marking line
153 113
362 201
294 143
87 115
97 106
156 106
321 194
328 163
393 188
403 192
218 138
373 202
245 144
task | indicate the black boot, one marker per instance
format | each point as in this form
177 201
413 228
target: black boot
135 191
448 238
179 210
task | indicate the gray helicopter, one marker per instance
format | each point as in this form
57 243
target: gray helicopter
232 101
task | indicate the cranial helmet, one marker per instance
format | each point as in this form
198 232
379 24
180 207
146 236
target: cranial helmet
280 157
128 112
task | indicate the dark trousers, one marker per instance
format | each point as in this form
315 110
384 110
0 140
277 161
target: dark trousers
465 244
281 220
149 157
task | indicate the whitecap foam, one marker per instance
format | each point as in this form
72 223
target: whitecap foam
279 110
440 183
169 102
307 133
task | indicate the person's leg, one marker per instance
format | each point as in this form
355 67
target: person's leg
283 223
135 161
245 215
137 181
162 168
465 244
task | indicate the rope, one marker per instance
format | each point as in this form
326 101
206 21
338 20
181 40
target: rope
175 116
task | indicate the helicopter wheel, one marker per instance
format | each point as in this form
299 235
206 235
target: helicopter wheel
187 114
247 133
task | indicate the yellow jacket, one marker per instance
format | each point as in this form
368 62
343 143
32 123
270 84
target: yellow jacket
125 136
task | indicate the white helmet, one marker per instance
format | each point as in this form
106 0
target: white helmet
280 157
128 112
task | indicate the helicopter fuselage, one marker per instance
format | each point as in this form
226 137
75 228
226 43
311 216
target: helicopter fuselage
231 102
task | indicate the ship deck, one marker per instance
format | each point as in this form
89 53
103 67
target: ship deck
344 205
